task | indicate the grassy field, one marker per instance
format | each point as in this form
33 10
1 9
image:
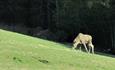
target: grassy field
21 52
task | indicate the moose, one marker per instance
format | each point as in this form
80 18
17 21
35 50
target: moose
85 40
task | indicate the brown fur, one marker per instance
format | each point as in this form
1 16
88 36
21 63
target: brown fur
84 39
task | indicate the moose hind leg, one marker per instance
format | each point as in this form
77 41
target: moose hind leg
92 48
89 48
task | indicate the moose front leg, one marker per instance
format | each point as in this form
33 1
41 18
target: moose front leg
85 47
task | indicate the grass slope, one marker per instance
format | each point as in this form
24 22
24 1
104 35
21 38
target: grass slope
21 52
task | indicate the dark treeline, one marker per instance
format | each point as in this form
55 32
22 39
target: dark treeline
62 20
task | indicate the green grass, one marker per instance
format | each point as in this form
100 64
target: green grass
21 52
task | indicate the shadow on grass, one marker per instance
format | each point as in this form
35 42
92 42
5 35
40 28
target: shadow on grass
107 54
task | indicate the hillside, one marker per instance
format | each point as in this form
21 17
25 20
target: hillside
21 52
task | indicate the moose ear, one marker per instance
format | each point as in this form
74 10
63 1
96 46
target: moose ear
80 33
